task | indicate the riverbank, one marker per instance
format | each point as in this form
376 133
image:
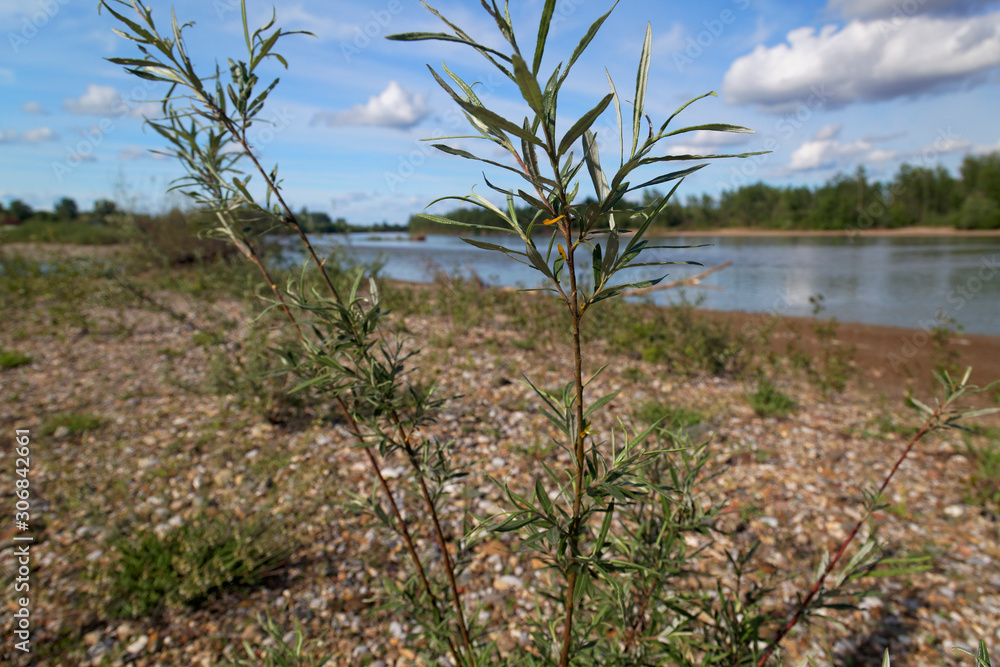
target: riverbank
137 430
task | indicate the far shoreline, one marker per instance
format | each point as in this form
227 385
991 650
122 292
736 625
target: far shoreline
849 232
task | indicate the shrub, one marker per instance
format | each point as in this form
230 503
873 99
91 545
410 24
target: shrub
768 401
13 358
185 566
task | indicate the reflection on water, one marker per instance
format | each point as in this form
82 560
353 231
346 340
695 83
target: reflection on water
879 280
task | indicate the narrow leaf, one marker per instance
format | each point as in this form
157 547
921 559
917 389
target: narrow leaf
641 80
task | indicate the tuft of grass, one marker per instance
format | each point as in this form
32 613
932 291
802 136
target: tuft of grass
673 417
186 566
277 652
13 358
768 401
74 422
984 483
77 233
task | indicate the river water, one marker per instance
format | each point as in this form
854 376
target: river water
897 281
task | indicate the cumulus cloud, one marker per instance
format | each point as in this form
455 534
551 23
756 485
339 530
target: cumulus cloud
106 101
133 152
824 154
393 107
900 10
33 107
33 136
866 61
703 142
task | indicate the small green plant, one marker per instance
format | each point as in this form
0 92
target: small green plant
187 565
13 358
280 653
944 353
984 484
74 423
768 401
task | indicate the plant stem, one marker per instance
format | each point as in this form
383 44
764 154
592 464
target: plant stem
580 437
927 426
439 533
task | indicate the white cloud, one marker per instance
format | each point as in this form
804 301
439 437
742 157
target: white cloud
983 149
33 107
704 142
106 101
134 152
296 17
829 131
32 136
670 41
38 134
870 9
825 150
946 145
882 155
866 61
393 107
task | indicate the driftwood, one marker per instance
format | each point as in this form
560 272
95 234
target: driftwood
693 281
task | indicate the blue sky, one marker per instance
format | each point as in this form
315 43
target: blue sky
827 85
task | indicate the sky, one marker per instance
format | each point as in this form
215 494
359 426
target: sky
826 84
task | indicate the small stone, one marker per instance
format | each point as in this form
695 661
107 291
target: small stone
138 645
506 582
61 432
91 638
954 511
223 477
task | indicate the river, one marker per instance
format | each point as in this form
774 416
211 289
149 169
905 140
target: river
896 281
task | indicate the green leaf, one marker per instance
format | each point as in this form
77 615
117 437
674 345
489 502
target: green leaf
685 106
498 122
529 85
543 33
712 127
600 403
585 42
582 125
618 113
593 159
597 264
885 659
542 496
641 80
444 37
672 176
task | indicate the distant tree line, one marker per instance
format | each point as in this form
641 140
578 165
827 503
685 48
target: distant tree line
914 197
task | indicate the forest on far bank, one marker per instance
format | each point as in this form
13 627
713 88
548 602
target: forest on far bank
914 197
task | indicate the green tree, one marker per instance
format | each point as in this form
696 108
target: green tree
20 211
104 208
66 209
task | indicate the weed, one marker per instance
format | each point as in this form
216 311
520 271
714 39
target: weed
13 358
279 653
74 423
984 483
768 401
185 566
